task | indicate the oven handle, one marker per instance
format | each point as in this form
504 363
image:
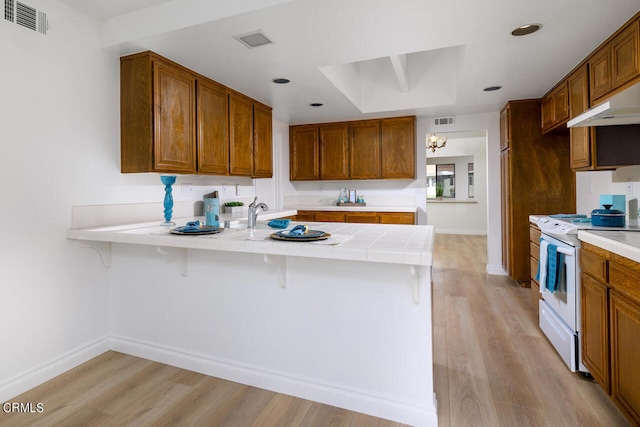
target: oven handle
570 252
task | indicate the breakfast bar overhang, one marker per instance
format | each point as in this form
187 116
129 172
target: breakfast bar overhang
346 324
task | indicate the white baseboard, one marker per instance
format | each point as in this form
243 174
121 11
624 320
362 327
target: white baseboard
413 413
496 270
48 370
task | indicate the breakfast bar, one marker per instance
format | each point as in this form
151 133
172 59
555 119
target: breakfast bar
344 321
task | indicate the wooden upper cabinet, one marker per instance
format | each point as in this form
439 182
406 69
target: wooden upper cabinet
175 114
364 152
304 153
505 129
578 103
334 151
398 141
624 55
615 63
555 108
213 128
173 120
240 135
262 142
158 116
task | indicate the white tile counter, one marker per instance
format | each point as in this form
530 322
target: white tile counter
387 243
623 243
348 325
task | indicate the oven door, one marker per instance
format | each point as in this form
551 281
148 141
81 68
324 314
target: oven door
564 301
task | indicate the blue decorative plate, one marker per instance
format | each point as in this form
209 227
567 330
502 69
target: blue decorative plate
309 236
203 229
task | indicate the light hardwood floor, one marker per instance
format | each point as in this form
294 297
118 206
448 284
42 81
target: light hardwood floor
492 367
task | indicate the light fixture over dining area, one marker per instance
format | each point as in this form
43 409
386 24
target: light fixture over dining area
434 142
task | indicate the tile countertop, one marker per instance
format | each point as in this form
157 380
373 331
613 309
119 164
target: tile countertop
385 243
368 208
623 243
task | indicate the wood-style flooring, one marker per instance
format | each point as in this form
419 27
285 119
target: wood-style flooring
492 367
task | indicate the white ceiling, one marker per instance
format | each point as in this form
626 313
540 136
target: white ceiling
367 58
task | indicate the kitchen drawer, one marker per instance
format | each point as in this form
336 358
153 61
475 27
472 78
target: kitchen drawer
624 277
330 216
534 233
534 267
535 294
363 217
397 218
593 261
534 250
305 216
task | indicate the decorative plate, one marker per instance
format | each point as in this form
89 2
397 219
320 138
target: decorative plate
309 236
204 229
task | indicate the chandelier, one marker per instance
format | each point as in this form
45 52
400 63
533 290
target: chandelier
434 142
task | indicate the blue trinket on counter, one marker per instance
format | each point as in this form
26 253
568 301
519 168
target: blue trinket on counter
212 209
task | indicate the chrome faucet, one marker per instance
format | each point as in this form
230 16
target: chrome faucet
253 212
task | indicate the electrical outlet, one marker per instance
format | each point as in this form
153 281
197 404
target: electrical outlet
224 189
187 190
629 187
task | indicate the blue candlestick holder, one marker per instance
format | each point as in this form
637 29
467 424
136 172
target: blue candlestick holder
168 181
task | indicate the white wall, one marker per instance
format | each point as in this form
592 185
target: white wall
60 121
590 185
462 217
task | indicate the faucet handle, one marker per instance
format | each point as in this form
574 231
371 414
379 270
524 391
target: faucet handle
253 204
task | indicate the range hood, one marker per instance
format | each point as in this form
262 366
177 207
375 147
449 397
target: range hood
621 109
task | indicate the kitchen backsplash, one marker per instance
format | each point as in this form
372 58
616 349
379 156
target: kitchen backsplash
590 185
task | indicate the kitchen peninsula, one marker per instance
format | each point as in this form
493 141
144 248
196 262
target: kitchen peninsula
344 322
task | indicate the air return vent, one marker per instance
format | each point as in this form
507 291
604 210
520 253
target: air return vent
26 16
440 121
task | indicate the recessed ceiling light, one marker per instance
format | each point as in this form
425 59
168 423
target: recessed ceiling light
316 104
526 29
492 88
281 80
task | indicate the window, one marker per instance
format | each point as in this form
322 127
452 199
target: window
441 179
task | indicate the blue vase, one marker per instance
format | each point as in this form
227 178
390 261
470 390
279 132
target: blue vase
168 181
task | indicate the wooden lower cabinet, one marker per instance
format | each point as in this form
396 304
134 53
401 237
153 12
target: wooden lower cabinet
331 216
610 305
595 330
397 218
408 218
534 252
625 353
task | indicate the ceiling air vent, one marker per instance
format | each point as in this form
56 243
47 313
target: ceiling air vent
441 121
253 39
26 16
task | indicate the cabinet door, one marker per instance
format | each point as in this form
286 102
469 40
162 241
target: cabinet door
595 330
364 150
547 112
324 216
262 142
505 129
304 151
561 104
213 128
334 151
175 119
578 103
363 217
398 148
240 135
625 353
600 81
397 218
624 52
